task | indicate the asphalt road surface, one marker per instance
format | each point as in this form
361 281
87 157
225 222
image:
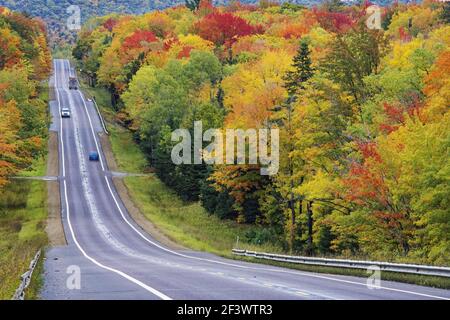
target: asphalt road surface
118 260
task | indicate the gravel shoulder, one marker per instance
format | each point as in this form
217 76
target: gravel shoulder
54 228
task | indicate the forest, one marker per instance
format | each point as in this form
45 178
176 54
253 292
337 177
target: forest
363 116
25 61
55 15
25 65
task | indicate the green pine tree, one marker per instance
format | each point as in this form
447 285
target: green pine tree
303 71
193 5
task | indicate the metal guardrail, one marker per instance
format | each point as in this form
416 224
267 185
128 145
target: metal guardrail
354 264
100 116
95 104
26 278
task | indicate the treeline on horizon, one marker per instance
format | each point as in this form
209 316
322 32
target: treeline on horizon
25 61
363 116
55 15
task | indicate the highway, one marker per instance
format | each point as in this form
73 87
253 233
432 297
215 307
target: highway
118 260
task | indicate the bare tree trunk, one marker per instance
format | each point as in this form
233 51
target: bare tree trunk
293 223
310 249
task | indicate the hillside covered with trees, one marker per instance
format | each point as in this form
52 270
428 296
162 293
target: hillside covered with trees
25 65
55 14
363 116
24 61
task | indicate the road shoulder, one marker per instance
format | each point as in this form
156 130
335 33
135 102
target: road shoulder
132 209
54 227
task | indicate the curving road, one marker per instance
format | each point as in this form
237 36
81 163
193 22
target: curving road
118 260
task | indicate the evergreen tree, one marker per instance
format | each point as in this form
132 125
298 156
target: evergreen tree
302 72
193 5
445 15
294 82
220 96
333 5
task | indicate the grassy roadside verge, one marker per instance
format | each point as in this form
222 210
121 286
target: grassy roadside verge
23 213
185 223
190 225
102 97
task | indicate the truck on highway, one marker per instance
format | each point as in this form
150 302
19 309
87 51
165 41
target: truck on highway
73 83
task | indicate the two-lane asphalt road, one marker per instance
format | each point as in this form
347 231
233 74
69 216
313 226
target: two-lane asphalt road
118 260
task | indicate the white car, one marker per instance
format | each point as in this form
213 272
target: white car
65 113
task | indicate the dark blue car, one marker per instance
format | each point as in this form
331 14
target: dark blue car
93 156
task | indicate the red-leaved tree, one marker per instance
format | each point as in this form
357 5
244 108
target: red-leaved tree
224 29
366 187
110 24
338 22
139 39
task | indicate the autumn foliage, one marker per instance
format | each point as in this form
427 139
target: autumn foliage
224 28
334 21
22 114
110 24
139 39
363 116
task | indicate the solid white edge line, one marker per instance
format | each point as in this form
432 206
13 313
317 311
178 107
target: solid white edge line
124 275
60 122
235 265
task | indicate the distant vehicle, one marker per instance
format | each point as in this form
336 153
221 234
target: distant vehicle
73 83
93 156
65 113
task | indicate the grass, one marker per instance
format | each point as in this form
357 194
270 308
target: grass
186 223
23 213
102 97
128 156
38 168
